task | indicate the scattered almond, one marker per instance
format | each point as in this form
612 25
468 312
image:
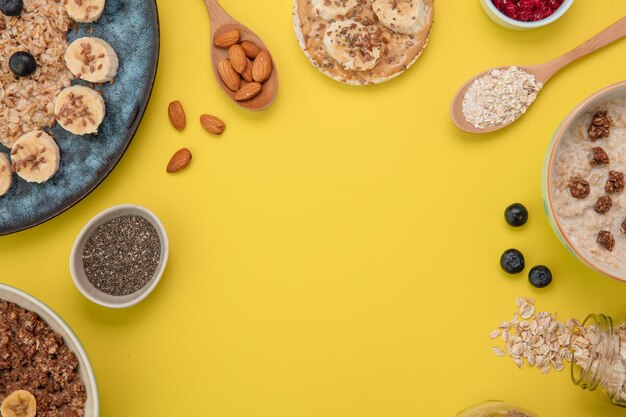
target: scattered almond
250 49
248 91
262 67
212 124
179 160
237 58
247 73
229 75
227 39
176 114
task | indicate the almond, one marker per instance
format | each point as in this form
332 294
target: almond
262 67
212 124
179 160
247 73
250 49
227 39
248 91
229 75
237 58
176 114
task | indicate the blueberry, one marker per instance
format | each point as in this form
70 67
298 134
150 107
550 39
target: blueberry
11 7
516 215
22 63
540 276
512 261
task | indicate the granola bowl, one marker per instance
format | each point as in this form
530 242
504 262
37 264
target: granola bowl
58 326
583 182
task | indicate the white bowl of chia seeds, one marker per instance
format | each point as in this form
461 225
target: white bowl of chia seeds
119 257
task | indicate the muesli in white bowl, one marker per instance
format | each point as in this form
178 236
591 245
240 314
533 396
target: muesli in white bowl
584 182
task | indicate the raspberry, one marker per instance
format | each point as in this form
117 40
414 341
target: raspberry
499 4
511 10
527 5
526 16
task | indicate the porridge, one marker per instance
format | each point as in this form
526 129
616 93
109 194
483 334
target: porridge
27 103
587 183
34 358
363 41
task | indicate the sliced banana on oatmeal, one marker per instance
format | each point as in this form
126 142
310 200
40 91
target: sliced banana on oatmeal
79 110
355 46
35 156
332 9
84 11
402 16
19 403
6 174
92 59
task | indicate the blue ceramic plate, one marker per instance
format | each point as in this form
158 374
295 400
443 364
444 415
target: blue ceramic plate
132 28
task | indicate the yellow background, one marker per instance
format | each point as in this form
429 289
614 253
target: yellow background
336 255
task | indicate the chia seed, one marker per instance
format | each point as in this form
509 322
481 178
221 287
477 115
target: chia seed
122 255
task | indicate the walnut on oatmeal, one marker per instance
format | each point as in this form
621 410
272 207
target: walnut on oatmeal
615 182
606 240
599 157
600 126
579 188
603 205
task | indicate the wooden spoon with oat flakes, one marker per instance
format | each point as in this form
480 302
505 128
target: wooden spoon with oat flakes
224 26
541 72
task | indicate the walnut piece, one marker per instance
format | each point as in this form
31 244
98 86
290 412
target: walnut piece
615 183
606 240
579 188
600 126
603 205
599 156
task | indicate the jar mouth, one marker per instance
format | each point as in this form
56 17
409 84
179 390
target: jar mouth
580 376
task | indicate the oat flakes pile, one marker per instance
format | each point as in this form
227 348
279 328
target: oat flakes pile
541 341
499 97
27 103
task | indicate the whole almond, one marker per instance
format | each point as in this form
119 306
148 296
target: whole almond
212 124
229 75
237 58
227 39
250 49
262 67
247 73
179 160
176 114
248 91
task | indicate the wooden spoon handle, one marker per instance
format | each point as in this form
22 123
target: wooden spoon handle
609 35
217 15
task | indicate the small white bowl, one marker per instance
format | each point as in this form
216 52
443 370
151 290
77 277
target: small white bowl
505 21
78 271
56 323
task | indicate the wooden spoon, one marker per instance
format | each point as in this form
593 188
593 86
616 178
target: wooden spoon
222 22
542 73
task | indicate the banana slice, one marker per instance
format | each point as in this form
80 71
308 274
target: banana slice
35 157
92 59
355 46
79 110
6 174
84 11
331 9
19 404
402 16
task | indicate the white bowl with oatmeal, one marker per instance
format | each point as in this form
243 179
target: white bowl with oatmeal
583 182
56 324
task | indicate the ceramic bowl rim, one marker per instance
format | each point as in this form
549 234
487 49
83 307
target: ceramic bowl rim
79 279
558 136
531 25
67 332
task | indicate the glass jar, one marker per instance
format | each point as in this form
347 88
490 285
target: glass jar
495 409
605 368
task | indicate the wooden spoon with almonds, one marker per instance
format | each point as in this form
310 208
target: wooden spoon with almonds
226 32
542 73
